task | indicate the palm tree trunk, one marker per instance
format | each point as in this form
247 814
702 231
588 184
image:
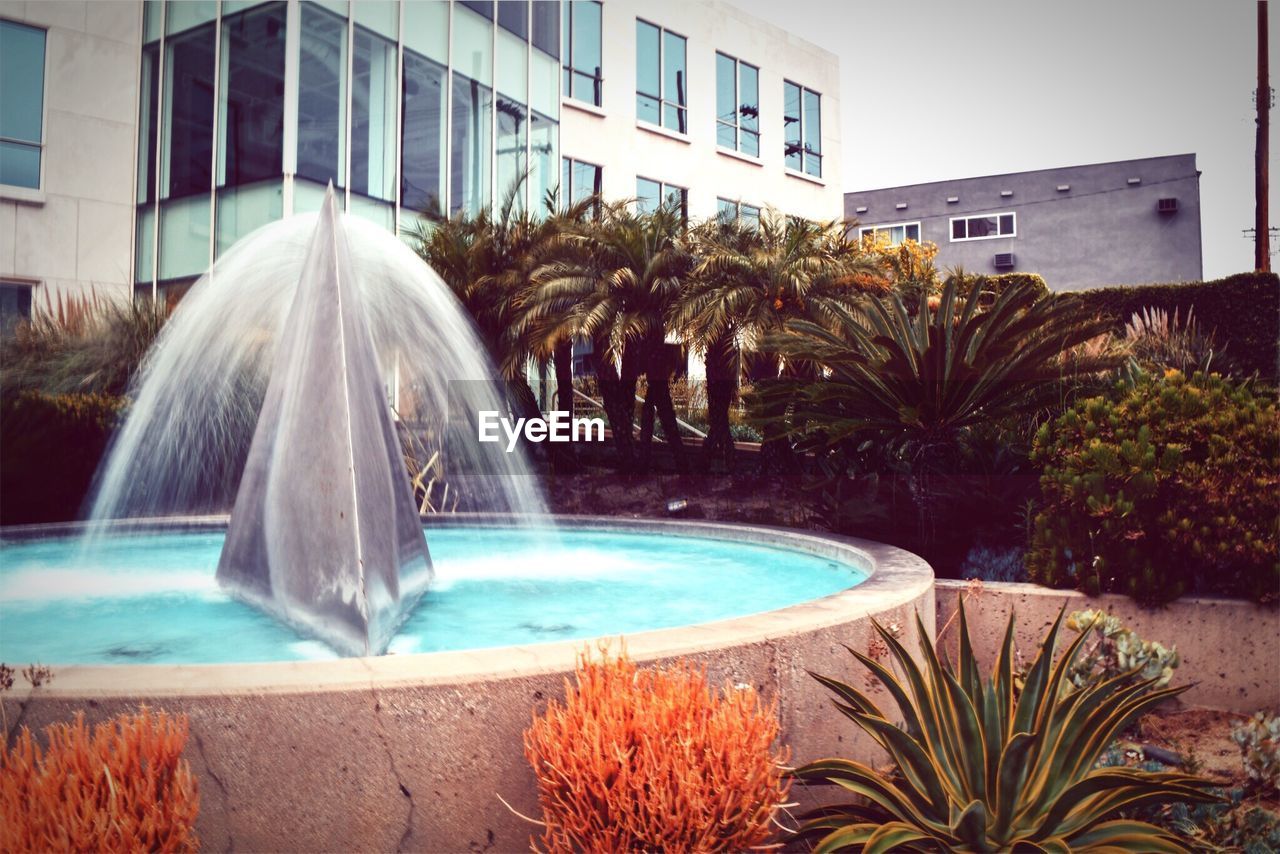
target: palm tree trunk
775 448
565 459
658 399
722 388
618 396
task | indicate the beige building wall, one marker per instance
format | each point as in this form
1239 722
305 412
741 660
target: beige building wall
76 231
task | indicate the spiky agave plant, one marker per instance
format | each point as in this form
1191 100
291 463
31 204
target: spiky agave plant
983 767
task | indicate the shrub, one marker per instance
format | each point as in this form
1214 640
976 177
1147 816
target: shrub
1242 312
654 760
1169 486
1117 651
125 788
994 285
50 446
994 564
1259 741
1160 340
982 766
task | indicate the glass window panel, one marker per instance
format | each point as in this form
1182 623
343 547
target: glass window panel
750 216
337 7
546 26
423 135
791 124
246 208
674 196
586 180
21 82
958 230
376 212
749 142
749 96
470 146
308 196
322 97
380 16
726 211
566 186
472 46
373 116
230 7
567 40
15 306
484 7
675 77
148 110
251 108
151 15
675 118
913 232
20 165
544 89
426 28
146 242
726 135
648 195
513 66
648 71
544 145
513 128
513 15
190 13
187 134
184 236
1006 223
982 227
585 50
726 90
813 133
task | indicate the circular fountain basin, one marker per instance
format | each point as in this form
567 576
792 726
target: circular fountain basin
413 751
150 596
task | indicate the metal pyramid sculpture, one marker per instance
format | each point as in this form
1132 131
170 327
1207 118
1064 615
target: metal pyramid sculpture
324 533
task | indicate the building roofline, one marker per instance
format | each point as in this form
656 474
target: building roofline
1191 154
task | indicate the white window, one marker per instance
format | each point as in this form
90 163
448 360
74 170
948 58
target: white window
983 227
729 211
651 195
897 231
22 57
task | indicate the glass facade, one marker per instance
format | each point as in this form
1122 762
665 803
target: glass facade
249 109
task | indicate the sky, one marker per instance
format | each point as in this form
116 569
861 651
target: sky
938 89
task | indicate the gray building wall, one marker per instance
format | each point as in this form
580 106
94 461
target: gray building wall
1102 229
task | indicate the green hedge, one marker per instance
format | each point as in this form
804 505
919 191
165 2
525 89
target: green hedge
50 446
1242 312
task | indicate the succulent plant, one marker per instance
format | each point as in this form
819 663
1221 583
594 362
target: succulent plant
984 767
1259 741
1117 650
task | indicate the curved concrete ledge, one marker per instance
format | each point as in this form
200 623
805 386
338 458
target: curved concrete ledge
411 751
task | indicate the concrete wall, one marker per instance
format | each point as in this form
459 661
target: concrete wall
1103 230
76 231
611 137
1230 649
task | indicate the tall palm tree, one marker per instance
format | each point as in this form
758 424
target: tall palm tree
615 282
747 285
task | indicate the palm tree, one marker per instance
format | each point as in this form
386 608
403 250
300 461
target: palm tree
614 282
747 285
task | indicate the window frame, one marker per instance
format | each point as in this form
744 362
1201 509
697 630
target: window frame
566 191
566 56
864 230
738 205
17 191
737 110
803 147
663 188
951 226
661 96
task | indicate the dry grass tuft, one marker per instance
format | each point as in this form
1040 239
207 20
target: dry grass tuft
123 788
654 760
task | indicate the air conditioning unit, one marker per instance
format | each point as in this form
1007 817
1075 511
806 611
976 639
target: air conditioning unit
1167 206
1004 260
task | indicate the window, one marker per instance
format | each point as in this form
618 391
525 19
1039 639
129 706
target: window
737 105
15 305
582 53
422 133
650 195
471 146
661 79
513 16
21 104
729 211
982 227
897 232
373 116
579 180
802 128
322 97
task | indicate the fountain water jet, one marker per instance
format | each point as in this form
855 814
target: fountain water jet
324 531
265 388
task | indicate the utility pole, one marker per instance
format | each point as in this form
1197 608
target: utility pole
1262 230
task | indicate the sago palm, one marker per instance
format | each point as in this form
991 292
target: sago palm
981 766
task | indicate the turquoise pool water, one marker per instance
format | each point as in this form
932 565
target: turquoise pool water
153 599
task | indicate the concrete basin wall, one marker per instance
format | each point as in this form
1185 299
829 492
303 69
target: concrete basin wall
1229 648
412 752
